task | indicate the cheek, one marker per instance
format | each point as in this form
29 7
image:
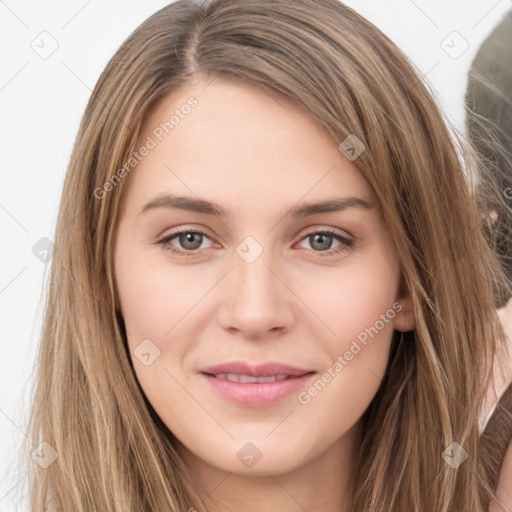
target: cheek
156 300
357 307
353 300
157 304
359 310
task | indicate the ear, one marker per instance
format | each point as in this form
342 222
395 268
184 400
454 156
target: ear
404 319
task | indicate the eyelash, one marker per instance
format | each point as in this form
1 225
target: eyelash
345 242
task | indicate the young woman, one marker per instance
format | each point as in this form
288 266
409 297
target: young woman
270 288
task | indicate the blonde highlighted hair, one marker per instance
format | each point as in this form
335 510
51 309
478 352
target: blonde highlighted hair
114 453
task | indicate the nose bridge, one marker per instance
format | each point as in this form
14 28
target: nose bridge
257 300
254 280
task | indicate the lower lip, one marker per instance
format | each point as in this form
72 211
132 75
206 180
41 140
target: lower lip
255 394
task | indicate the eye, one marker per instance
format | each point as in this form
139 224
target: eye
192 240
321 241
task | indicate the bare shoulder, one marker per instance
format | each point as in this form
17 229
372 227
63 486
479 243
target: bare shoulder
504 489
504 379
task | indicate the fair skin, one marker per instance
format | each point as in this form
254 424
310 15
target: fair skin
299 302
502 379
504 490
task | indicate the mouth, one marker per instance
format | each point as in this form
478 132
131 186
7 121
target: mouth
256 386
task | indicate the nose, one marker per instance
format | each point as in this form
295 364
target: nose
257 299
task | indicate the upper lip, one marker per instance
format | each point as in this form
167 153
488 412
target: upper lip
261 370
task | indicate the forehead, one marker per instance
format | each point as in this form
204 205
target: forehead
240 146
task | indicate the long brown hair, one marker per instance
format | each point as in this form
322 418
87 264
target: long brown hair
114 453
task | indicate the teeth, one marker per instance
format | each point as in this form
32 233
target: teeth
249 378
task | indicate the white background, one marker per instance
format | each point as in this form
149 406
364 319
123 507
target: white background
41 103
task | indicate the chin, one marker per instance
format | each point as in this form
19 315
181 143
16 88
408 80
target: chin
255 455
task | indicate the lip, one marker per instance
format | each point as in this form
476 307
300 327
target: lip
256 394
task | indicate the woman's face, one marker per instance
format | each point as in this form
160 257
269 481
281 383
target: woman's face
310 292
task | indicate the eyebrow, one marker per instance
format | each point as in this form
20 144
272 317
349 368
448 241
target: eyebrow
192 204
